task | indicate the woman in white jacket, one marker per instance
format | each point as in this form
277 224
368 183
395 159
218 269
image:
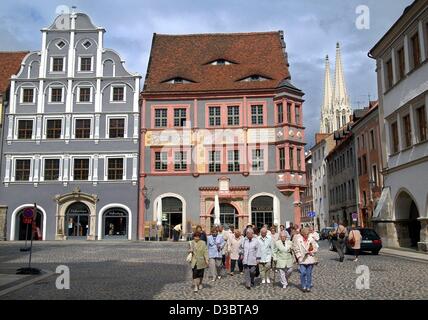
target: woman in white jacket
283 258
233 245
305 248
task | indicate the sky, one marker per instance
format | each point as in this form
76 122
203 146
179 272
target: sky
311 30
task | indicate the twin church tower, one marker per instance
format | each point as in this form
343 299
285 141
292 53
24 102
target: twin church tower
336 108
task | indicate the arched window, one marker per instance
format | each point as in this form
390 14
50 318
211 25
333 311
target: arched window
115 222
24 230
262 211
77 220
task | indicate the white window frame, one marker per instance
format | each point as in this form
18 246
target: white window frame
45 126
42 167
50 94
15 131
73 129
83 44
124 92
90 95
64 61
61 40
106 158
116 116
21 100
71 166
13 171
79 69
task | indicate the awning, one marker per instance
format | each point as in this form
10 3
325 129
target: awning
383 208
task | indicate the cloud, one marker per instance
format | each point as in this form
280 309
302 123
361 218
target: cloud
311 29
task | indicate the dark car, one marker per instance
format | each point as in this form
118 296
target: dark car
370 241
325 232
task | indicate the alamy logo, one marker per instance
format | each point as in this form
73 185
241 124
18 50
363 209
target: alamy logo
363 280
363 19
63 280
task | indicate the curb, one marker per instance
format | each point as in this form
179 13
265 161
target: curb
396 255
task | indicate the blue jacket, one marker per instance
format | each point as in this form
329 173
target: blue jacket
215 245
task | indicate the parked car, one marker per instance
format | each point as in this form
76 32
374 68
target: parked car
325 232
370 241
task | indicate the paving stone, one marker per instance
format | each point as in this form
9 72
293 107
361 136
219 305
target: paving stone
157 270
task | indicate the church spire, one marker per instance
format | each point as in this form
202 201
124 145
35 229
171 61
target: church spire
326 107
340 96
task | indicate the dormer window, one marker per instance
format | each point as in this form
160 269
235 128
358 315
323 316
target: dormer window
178 80
221 62
87 44
60 44
255 77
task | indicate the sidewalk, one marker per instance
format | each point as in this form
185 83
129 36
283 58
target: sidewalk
405 254
10 281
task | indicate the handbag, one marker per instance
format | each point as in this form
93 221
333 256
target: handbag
352 241
190 255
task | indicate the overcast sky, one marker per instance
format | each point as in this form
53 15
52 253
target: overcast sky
311 29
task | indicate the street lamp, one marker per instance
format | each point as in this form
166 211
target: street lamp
146 192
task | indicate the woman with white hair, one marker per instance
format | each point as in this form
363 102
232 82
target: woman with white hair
283 257
250 252
305 248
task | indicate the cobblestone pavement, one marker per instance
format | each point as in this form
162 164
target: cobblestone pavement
152 270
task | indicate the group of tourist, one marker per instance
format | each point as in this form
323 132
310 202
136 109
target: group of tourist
254 253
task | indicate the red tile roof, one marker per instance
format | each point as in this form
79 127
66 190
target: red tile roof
189 57
10 63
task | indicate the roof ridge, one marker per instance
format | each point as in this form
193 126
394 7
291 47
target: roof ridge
219 34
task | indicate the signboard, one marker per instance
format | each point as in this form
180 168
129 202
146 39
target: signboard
28 215
311 214
354 216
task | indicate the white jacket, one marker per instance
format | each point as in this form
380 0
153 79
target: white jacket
302 252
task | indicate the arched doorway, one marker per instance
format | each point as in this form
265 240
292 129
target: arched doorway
115 223
407 214
228 215
77 220
172 215
21 230
262 211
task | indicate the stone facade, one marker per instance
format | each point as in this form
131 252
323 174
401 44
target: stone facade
342 178
71 138
253 164
369 161
402 73
336 109
324 143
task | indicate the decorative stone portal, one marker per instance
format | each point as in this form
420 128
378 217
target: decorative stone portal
74 206
229 196
3 222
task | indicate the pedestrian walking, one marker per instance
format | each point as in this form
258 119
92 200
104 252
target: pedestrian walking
354 240
290 229
314 235
274 235
202 233
233 246
305 249
176 232
215 247
224 234
199 261
338 240
250 252
283 258
266 255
